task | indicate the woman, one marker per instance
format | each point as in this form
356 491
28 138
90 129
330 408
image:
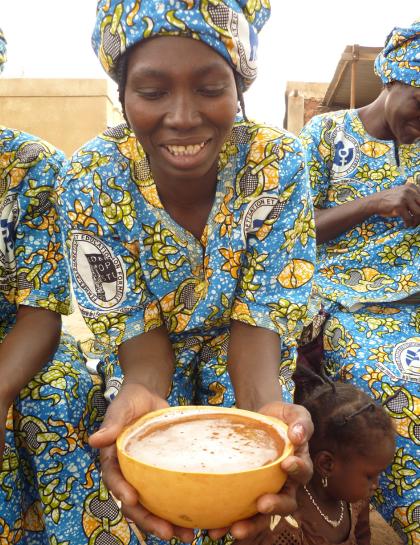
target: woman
50 488
174 224
364 167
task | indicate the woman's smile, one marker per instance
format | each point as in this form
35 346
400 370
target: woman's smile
187 155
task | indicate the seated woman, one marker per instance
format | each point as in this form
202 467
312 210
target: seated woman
190 232
50 488
364 168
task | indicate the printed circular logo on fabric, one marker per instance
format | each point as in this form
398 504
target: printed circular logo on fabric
98 271
9 217
407 357
258 211
346 153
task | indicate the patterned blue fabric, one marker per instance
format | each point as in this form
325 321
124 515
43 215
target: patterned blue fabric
377 348
135 268
372 337
3 50
229 26
50 485
400 58
377 260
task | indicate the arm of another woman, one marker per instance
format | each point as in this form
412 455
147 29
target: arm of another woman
402 201
27 347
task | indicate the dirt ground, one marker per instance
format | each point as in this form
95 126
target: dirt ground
382 533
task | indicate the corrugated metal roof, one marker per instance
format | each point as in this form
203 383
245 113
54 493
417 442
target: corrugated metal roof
355 83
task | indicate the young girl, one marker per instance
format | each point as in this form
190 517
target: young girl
352 444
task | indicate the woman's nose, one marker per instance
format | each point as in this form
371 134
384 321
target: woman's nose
183 114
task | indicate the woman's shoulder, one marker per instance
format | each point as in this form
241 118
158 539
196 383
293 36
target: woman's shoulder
116 150
117 140
327 121
250 132
27 149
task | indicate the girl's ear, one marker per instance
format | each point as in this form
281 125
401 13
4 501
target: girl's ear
324 462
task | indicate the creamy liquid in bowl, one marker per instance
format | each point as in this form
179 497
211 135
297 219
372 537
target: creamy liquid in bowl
205 442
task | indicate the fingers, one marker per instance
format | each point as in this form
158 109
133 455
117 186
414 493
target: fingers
296 417
414 212
218 533
152 524
249 528
133 401
113 478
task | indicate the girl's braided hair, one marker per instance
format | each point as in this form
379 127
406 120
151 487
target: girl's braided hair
121 74
346 419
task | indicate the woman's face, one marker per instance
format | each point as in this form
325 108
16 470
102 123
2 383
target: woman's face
402 112
181 102
356 477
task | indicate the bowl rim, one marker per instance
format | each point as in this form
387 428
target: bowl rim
287 451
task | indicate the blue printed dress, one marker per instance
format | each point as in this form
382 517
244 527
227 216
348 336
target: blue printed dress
135 268
50 489
369 281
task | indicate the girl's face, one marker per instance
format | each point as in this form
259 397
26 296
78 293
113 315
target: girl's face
355 477
402 112
181 102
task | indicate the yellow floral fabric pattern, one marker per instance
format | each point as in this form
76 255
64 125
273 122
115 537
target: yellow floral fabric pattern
50 484
135 268
379 259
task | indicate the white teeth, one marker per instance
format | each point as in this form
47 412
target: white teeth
185 150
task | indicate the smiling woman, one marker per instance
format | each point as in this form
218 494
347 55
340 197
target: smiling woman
190 233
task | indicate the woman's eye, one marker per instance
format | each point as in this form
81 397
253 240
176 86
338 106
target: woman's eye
150 94
211 91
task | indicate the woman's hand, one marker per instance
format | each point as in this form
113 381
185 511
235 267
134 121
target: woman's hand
402 201
133 401
298 467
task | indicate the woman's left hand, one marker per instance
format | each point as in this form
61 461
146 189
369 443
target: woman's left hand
298 467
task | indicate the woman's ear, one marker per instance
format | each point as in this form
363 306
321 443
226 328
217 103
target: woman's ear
324 462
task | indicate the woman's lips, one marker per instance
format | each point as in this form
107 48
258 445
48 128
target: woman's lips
185 156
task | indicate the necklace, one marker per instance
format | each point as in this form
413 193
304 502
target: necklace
333 523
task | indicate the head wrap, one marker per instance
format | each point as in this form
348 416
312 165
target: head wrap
400 58
230 27
3 45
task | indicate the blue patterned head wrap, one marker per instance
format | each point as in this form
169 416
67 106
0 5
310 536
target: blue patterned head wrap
228 26
3 45
400 58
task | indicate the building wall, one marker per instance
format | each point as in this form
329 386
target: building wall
65 112
303 101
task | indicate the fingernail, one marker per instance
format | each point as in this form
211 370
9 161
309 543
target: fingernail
299 431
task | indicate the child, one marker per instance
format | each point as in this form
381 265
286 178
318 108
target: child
352 444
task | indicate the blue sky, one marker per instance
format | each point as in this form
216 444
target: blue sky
302 41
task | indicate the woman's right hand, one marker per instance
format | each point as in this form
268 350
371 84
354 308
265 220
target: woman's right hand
402 201
132 402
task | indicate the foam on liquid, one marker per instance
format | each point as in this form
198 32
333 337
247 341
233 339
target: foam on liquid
206 443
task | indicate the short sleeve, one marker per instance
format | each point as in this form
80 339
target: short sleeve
103 252
42 278
318 157
279 261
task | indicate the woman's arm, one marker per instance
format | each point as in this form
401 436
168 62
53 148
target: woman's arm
148 359
29 345
25 350
253 365
402 201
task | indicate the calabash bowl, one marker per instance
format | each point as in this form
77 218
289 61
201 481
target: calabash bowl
205 500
